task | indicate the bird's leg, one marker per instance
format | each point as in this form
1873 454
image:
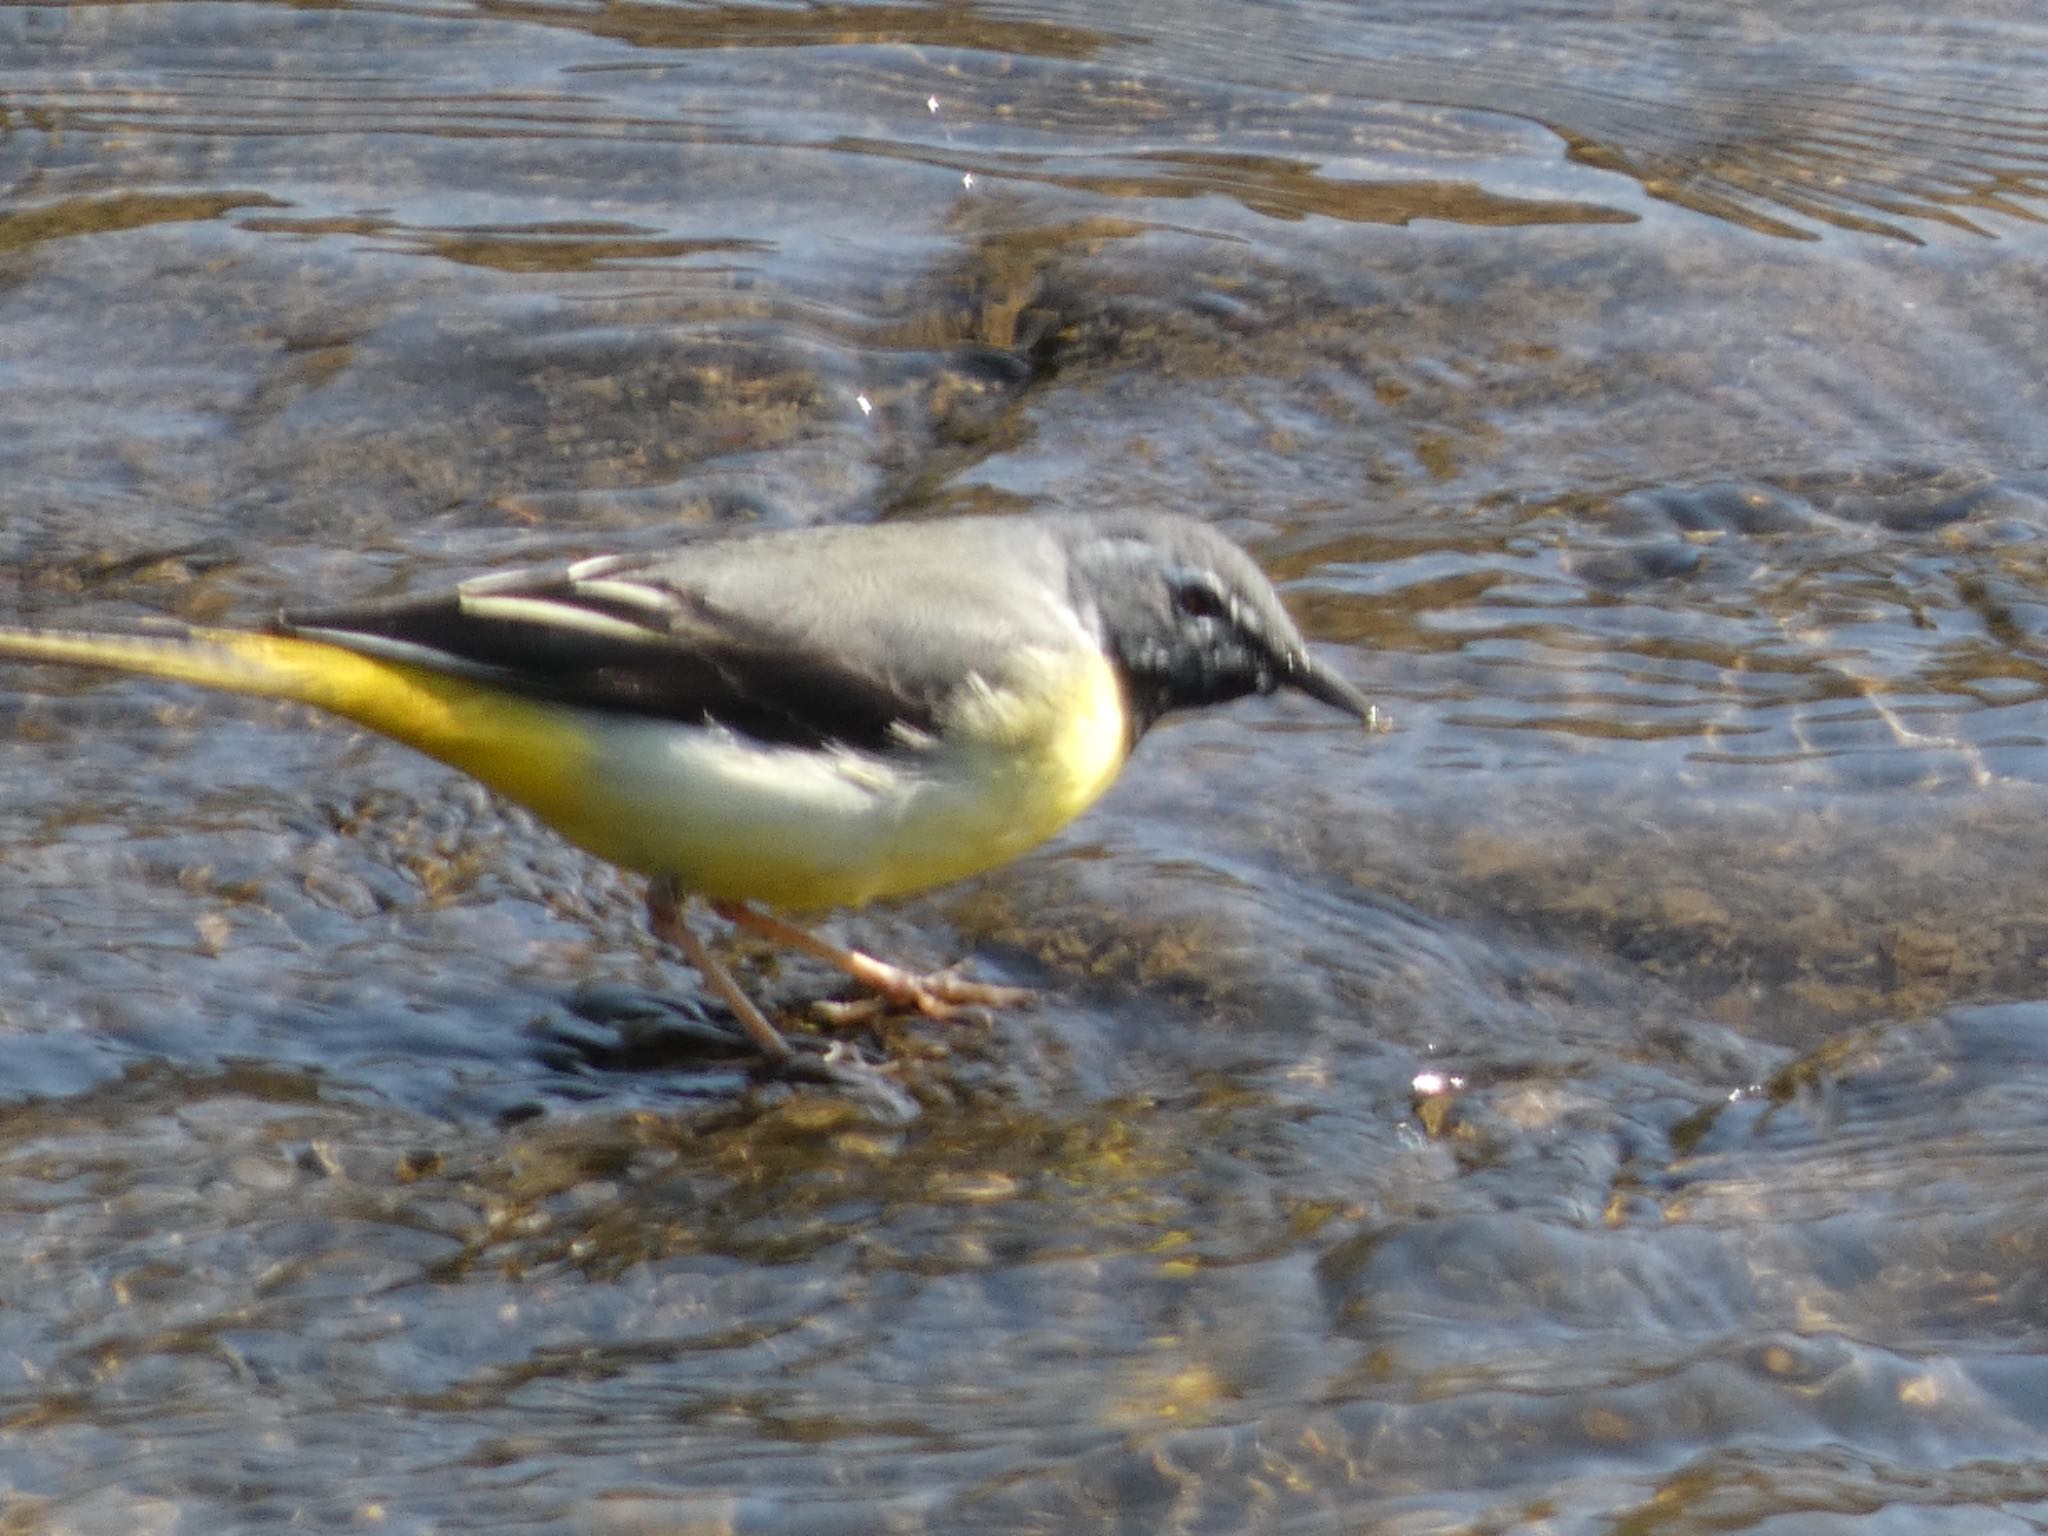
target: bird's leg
937 995
665 918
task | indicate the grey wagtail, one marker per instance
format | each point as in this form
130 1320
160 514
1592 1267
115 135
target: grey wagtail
801 719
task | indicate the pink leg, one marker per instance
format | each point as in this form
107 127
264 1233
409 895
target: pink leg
938 995
665 918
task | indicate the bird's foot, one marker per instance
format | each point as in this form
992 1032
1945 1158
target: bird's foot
942 994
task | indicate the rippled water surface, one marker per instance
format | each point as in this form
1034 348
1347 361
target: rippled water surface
1612 1099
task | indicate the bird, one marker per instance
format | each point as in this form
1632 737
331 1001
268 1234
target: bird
787 720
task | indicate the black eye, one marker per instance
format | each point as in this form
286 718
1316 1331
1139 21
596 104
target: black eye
1200 599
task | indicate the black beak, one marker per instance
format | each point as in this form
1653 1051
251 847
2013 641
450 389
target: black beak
1309 676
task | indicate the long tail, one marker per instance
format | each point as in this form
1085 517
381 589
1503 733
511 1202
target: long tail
531 752
269 666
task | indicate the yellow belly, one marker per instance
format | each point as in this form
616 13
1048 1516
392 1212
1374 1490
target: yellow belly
736 821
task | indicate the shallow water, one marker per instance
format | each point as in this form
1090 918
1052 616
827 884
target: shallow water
1608 1100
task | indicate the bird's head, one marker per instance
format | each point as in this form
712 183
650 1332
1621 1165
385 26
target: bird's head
1190 619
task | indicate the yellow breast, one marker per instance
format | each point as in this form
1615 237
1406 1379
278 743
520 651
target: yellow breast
734 820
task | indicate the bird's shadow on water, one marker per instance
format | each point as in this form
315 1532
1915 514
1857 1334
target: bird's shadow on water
611 1038
489 1058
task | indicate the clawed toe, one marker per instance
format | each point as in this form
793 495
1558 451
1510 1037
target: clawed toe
944 995
851 1013
950 988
